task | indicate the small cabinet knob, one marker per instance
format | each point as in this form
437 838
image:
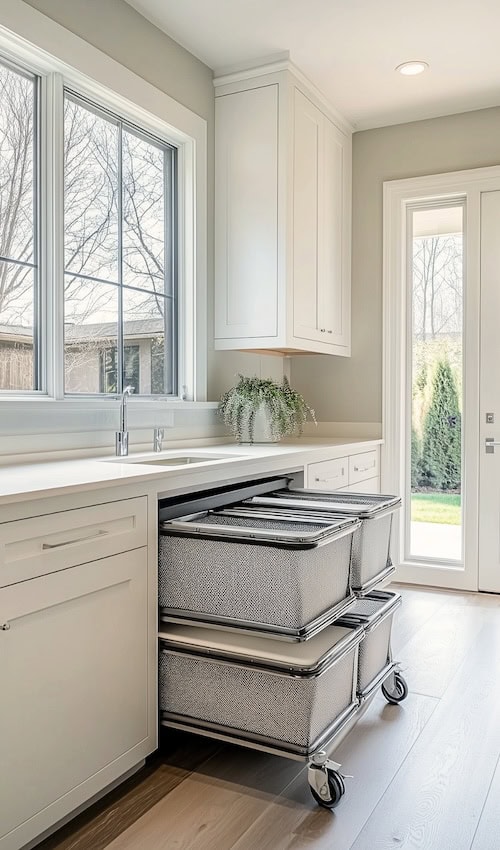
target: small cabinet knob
5 627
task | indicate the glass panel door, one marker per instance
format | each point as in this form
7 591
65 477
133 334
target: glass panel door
435 297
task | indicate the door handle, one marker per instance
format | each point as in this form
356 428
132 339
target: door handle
330 478
490 444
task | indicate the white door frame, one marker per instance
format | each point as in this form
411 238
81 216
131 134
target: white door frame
398 195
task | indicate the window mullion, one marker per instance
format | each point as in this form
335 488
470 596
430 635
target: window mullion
52 231
169 346
119 341
39 370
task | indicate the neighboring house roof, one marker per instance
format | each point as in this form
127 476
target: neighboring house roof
136 329
16 333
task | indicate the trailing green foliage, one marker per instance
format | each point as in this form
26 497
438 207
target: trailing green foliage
441 442
286 408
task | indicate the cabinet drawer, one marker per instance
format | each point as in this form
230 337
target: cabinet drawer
44 544
328 474
363 466
369 485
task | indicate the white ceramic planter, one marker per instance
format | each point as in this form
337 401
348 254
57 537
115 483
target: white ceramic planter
262 432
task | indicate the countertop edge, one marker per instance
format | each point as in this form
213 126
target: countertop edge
26 482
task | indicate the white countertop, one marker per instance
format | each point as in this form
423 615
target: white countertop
25 481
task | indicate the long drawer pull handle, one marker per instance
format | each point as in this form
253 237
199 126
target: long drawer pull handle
331 478
99 533
364 468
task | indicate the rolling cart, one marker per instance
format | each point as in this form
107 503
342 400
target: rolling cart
262 641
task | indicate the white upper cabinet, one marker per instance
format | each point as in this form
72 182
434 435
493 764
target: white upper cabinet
282 216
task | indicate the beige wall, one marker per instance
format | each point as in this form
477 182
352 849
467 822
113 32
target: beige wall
119 31
350 390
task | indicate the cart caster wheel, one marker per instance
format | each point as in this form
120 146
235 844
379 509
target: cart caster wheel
334 789
399 690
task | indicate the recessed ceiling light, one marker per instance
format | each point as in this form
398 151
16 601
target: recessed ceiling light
410 69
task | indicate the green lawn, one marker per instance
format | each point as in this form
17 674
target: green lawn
443 508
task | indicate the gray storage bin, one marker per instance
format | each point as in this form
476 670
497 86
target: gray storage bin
371 562
266 573
289 695
375 613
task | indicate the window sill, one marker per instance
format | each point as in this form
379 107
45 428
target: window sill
28 402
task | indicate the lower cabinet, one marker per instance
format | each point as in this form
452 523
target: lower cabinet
74 689
359 473
370 485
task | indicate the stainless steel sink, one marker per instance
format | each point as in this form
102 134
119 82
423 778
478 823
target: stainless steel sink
161 459
183 460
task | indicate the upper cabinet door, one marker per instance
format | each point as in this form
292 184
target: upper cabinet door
246 214
320 227
307 157
282 244
334 237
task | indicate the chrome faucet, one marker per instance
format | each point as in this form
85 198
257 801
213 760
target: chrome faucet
158 435
121 436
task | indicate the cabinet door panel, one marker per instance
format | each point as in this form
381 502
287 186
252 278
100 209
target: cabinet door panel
371 485
246 239
306 164
73 668
331 291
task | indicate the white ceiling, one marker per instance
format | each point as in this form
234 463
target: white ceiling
349 48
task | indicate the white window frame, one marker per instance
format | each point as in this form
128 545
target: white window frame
61 59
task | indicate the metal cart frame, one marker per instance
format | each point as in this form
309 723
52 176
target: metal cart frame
324 774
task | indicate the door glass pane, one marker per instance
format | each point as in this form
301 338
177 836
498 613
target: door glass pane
436 304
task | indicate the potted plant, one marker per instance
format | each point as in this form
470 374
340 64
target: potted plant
262 410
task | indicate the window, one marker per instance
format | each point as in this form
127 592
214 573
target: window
19 271
109 368
119 198
90 285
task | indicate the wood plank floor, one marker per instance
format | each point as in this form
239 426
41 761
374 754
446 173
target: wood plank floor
426 773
